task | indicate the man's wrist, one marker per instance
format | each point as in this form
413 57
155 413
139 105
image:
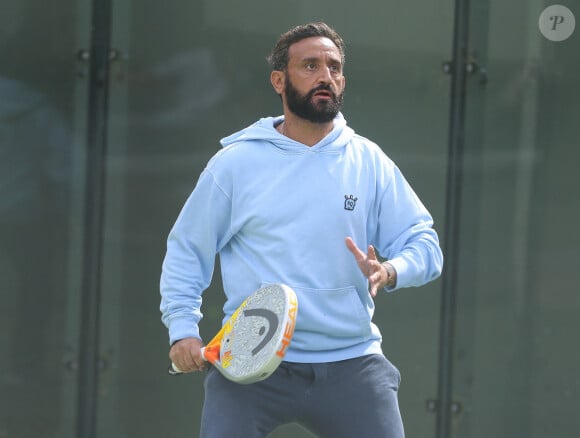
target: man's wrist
391 275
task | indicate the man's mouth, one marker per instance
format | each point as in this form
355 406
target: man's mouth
324 94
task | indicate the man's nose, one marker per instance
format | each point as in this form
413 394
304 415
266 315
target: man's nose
325 75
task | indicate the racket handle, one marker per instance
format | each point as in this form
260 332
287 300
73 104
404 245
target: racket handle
173 370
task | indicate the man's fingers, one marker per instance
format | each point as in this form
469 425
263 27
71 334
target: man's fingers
359 255
374 279
371 254
368 264
353 248
197 363
188 367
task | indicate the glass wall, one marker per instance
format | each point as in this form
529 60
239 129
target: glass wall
43 106
185 74
517 302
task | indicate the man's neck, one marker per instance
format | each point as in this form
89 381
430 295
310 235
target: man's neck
304 131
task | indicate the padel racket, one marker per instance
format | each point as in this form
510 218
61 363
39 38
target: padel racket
253 341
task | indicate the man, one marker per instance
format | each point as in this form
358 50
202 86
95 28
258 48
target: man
291 200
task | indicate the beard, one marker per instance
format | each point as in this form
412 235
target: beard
303 106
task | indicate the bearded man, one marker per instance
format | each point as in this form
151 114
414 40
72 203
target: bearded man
292 199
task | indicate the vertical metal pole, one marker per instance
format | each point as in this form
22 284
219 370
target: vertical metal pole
453 216
93 222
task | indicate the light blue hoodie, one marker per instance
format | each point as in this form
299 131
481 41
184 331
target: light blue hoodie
278 211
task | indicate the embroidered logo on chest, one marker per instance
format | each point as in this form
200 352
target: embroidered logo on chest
349 202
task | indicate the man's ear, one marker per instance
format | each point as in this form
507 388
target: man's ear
277 78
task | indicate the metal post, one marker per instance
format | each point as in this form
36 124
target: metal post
458 70
93 223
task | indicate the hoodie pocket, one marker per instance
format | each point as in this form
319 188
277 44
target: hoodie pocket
330 319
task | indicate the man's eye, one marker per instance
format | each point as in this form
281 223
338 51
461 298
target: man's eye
310 66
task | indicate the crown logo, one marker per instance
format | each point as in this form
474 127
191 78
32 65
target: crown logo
349 202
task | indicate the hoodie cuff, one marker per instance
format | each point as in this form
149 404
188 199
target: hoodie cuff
181 328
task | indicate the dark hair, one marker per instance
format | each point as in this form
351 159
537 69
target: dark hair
278 59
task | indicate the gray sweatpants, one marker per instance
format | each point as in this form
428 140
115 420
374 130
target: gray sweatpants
355 398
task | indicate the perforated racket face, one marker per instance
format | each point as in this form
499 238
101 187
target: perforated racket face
254 342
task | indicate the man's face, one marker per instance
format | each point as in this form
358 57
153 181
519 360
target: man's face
314 83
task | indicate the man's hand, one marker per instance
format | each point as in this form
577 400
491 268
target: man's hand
376 273
186 355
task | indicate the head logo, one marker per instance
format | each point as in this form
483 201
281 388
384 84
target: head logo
349 202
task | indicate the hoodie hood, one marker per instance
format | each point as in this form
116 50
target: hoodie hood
264 130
